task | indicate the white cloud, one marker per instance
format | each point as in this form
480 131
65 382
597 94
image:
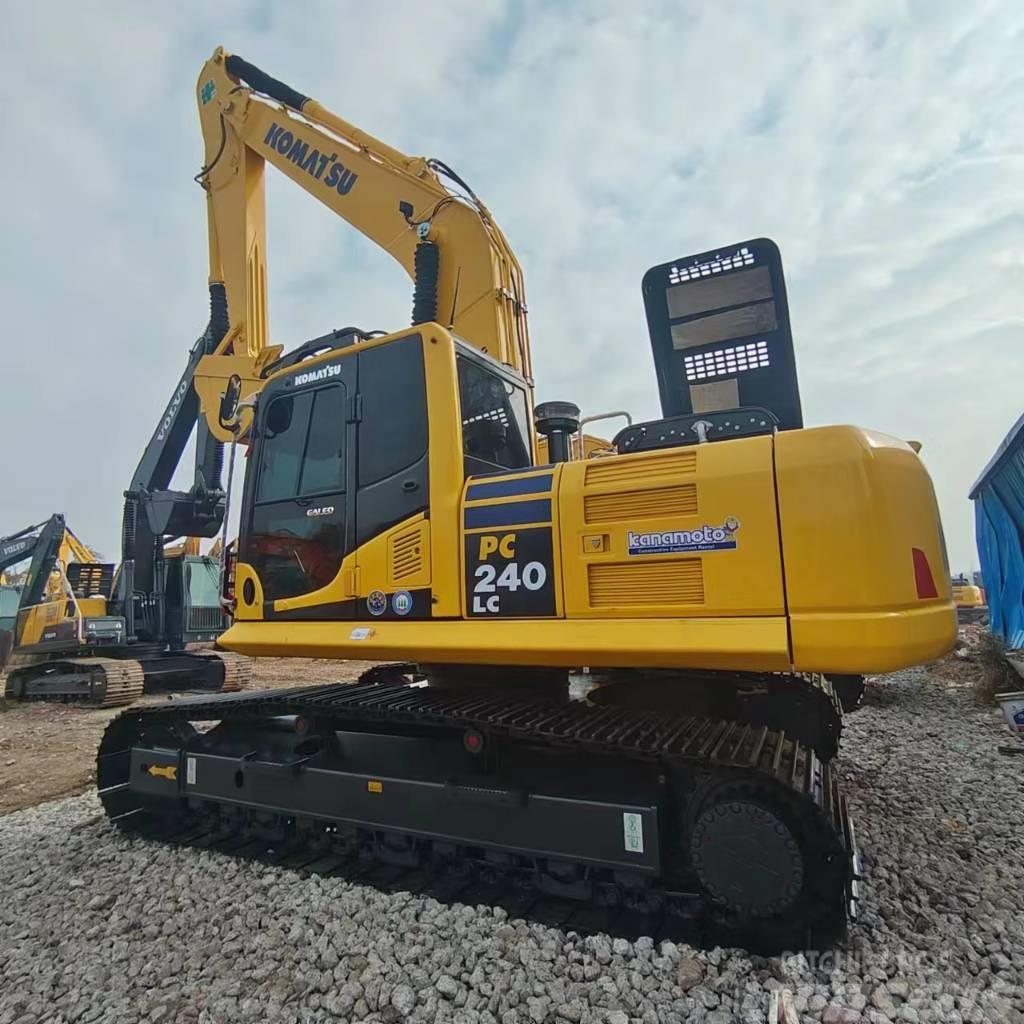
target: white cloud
877 142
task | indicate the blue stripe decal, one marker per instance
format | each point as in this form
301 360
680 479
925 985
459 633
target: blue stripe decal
511 472
515 512
507 488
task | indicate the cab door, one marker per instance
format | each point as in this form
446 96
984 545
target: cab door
301 523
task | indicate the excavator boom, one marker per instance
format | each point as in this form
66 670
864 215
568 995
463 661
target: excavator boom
418 210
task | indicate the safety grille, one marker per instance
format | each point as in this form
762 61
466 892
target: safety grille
90 579
405 555
680 500
727 361
741 258
663 468
648 583
204 620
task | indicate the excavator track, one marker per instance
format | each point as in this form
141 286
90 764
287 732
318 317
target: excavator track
237 669
589 818
806 706
95 682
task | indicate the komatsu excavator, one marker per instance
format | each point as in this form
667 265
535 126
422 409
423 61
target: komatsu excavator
64 633
715 570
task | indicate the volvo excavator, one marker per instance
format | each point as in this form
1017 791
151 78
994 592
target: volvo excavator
34 588
65 636
718 571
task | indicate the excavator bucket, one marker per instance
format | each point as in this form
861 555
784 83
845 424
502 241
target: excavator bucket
719 327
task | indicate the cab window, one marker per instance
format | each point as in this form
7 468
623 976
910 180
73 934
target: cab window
495 420
303 446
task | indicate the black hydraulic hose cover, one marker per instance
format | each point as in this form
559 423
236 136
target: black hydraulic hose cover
262 82
128 525
219 321
426 266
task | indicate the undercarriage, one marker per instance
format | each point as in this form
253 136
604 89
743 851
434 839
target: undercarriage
101 678
587 816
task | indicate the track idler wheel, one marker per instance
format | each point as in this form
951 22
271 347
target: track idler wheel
129 810
773 876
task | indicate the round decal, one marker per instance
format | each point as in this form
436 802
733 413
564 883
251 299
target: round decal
377 602
401 603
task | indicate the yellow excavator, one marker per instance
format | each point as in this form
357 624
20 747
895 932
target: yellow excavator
969 599
725 575
64 635
33 581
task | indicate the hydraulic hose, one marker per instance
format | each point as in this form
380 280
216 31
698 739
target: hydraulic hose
264 83
426 266
212 458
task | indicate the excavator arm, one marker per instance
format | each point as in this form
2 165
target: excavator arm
465 274
73 550
42 543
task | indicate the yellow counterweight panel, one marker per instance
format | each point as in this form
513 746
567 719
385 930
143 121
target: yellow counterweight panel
757 644
639 533
855 506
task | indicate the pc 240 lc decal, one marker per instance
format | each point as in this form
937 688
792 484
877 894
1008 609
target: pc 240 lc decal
674 542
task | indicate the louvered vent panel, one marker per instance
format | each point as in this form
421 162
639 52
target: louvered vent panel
646 583
656 501
405 556
663 468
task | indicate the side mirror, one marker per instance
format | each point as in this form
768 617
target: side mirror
229 402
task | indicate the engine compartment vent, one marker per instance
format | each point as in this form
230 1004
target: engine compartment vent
407 555
664 583
664 468
680 500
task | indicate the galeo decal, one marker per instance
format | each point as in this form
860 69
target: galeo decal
326 510
324 373
672 542
312 161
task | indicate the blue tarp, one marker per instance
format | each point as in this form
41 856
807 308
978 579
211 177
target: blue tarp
998 497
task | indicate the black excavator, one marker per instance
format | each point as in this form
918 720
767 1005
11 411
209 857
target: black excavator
119 631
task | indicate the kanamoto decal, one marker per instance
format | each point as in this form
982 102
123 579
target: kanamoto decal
671 542
324 373
312 161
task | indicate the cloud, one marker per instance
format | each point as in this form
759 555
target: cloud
878 143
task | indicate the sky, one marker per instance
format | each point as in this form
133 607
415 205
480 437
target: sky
880 144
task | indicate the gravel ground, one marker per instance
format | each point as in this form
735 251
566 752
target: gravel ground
94 927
